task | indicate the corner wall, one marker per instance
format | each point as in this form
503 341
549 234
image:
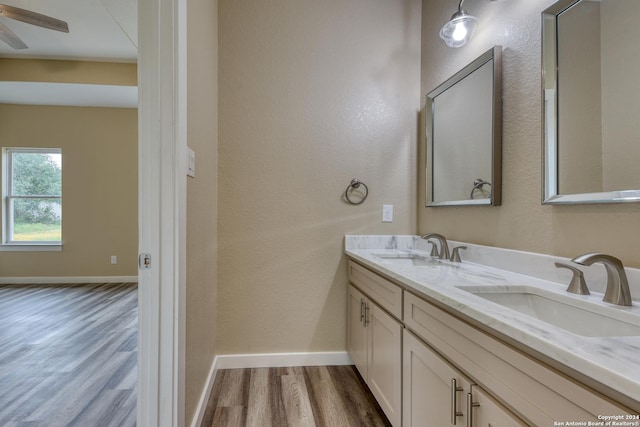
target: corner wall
202 137
522 222
312 94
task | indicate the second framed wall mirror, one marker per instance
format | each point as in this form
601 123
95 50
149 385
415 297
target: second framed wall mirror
591 93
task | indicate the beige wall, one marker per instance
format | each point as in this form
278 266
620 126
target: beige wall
312 94
99 188
202 135
521 222
44 70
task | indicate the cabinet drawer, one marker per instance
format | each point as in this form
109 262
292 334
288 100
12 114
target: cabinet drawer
379 289
537 393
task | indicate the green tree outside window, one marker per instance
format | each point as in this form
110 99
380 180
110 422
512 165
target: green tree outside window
36 190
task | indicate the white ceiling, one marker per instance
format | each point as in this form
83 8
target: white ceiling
99 30
102 30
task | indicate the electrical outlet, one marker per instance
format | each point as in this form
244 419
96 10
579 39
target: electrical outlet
387 213
114 259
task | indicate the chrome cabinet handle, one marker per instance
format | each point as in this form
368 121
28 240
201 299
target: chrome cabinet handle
366 314
454 401
361 309
470 405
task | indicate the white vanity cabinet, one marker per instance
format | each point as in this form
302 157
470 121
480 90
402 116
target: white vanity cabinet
537 393
374 340
436 393
409 347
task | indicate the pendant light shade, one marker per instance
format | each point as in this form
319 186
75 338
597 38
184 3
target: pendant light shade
459 30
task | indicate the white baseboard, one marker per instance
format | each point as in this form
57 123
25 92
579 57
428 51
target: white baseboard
268 360
279 360
206 393
66 280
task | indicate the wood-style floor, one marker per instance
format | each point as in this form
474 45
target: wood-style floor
68 355
317 396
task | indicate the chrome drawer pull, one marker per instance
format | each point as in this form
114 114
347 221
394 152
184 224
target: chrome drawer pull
454 401
470 405
366 314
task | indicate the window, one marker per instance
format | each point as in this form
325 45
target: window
33 196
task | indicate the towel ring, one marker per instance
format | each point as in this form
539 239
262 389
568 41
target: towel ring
478 183
355 184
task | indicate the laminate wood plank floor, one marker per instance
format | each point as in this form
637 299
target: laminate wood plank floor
317 396
68 355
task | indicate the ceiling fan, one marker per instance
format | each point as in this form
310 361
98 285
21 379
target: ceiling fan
33 18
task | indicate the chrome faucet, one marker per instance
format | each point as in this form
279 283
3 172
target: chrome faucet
444 247
617 285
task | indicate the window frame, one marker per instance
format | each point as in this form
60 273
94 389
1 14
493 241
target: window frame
8 198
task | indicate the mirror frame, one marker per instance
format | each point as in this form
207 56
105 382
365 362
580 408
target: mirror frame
549 56
495 55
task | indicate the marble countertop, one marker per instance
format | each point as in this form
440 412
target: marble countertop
611 361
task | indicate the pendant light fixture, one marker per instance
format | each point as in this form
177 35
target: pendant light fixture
459 30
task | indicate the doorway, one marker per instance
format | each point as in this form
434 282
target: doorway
161 209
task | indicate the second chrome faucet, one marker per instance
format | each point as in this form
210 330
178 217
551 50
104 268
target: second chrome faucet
617 291
444 247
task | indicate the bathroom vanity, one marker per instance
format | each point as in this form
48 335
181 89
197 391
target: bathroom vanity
445 343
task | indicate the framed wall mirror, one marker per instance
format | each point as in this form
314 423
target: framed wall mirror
591 101
464 135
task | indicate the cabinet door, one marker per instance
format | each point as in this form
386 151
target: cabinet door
486 412
429 398
385 361
356 332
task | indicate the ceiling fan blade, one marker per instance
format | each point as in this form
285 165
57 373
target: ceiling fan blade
10 38
33 18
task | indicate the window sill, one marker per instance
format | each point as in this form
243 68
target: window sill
31 247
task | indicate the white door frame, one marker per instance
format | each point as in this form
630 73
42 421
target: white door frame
162 211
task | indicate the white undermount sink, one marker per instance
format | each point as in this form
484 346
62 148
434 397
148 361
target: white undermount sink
405 258
574 314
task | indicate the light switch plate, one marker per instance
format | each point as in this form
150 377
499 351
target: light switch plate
387 213
191 163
